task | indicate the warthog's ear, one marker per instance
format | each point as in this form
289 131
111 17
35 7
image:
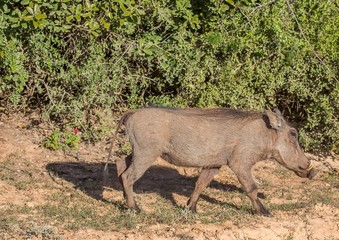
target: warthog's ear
274 119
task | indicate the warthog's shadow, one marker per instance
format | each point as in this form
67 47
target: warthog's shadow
163 180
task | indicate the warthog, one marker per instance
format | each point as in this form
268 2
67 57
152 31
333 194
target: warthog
209 139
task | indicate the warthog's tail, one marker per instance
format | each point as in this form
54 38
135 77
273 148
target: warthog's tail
122 121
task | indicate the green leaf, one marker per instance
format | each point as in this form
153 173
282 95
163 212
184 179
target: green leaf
214 38
86 15
107 25
123 8
78 9
67 27
141 12
127 13
148 51
24 2
5 8
231 2
28 18
224 7
95 33
40 16
94 25
30 10
14 20
72 9
69 18
122 22
17 12
78 17
36 8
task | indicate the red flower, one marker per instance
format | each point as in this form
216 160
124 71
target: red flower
75 130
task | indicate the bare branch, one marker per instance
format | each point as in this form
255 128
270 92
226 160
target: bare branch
261 6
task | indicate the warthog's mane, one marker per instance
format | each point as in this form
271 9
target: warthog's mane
216 113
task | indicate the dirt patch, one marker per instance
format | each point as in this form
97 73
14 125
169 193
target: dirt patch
57 195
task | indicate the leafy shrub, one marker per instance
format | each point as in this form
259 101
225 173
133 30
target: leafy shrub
13 72
77 61
61 140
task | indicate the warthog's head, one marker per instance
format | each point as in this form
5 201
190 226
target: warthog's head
286 149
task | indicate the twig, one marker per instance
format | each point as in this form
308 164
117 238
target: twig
123 54
304 36
248 19
48 93
261 6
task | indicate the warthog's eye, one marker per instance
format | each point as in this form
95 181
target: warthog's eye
293 134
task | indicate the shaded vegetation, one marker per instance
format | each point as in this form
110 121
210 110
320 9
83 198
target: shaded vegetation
76 61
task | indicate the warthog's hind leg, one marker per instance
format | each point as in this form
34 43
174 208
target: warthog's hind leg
122 165
204 179
140 163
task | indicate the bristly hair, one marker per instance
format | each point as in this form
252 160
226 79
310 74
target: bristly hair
214 112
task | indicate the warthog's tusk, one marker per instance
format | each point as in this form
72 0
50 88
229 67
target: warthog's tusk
310 166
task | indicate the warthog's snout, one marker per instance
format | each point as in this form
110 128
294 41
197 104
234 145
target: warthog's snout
309 172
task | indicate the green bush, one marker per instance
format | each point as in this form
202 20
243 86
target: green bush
79 62
13 72
61 140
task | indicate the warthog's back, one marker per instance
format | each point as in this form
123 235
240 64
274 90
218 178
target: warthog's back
193 137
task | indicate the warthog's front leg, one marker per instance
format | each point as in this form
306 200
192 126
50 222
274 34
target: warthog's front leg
245 177
204 179
259 208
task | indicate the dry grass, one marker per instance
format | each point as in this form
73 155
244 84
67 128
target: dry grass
48 195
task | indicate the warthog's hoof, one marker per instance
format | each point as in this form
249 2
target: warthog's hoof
265 213
134 210
312 174
268 214
192 206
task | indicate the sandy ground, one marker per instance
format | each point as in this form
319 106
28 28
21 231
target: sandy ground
20 139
